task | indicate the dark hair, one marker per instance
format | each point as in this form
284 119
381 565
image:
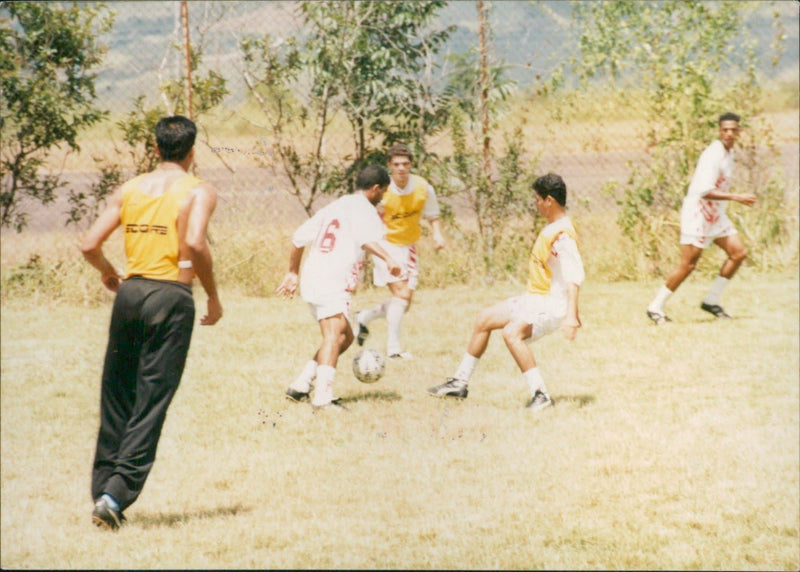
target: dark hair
551 185
400 150
372 175
175 137
728 117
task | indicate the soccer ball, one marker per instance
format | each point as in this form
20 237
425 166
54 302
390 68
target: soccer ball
368 366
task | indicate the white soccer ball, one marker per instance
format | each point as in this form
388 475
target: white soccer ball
368 366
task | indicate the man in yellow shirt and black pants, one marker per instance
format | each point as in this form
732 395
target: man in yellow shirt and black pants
164 215
409 199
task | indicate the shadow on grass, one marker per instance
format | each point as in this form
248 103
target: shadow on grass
581 399
372 396
155 520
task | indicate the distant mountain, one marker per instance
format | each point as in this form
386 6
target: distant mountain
531 36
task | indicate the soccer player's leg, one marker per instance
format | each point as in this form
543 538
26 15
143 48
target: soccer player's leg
492 318
396 309
336 334
734 248
535 317
690 255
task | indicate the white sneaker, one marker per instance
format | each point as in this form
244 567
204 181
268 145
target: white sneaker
658 318
539 401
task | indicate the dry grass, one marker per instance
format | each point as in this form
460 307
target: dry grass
670 448
239 135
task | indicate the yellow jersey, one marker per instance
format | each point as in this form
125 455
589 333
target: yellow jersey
540 273
402 213
151 228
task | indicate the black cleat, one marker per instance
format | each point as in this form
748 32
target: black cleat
714 309
453 387
363 334
105 517
539 401
297 396
658 318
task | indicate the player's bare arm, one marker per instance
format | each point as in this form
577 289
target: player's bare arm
571 322
98 233
374 248
288 286
438 237
203 203
747 199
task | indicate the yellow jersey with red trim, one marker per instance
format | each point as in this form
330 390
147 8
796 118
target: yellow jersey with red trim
540 273
151 228
402 213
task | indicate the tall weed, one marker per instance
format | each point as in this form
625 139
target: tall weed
251 260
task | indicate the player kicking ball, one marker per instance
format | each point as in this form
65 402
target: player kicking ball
336 237
551 302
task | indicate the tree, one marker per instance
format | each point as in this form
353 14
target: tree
47 56
138 127
493 183
688 62
381 55
297 119
369 62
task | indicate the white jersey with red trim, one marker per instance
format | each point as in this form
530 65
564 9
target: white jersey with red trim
702 219
334 238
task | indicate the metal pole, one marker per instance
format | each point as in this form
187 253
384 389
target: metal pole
187 52
487 140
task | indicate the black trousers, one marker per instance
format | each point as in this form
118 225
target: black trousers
148 340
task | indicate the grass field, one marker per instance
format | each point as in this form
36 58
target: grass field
669 448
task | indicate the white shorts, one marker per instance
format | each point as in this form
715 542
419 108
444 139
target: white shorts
405 256
703 221
544 313
322 311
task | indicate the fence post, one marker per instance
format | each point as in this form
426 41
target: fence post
187 52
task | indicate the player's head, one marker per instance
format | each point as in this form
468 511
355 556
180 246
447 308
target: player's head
728 117
175 137
551 185
373 180
400 159
728 129
400 150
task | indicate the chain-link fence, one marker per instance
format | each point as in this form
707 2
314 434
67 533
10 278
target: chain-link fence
236 145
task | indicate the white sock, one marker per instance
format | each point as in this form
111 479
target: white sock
533 377
717 287
394 319
379 311
323 392
111 502
466 367
303 381
657 305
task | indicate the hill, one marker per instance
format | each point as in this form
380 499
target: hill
532 37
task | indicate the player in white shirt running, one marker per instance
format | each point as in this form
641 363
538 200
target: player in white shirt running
551 301
703 222
410 199
336 237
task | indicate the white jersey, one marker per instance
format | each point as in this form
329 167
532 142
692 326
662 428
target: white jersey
334 238
704 219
